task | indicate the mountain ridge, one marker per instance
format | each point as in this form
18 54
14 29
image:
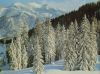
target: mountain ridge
22 13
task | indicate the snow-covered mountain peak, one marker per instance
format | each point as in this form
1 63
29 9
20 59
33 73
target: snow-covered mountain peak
27 13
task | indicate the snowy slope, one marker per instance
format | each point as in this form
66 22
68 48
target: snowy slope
56 68
23 13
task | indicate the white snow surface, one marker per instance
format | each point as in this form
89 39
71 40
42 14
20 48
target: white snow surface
55 68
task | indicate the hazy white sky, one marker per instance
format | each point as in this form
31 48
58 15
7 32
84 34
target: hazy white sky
66 5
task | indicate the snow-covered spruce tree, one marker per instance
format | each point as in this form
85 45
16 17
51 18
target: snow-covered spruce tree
24 57
18 51
42 33
50 44
12 54
85 50
24 45
37 60
40 30
70 57
66 63
94 49
63 36
77 37
58 42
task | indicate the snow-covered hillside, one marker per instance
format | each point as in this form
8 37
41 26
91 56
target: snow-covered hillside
55 68
12 17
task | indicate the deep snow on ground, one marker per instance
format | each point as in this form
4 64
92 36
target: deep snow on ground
55 68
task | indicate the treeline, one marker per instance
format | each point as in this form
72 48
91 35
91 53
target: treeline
91 10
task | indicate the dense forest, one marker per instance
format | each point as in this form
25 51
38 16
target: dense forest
76 45
73 38
91 10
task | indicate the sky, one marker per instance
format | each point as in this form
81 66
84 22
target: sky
66 5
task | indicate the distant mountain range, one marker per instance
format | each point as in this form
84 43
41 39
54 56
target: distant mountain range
12 17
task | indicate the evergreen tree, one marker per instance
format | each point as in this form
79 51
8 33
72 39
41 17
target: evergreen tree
40 30
37 61
84 51
50 45
24 57
63 36
13 59
66 63
18 51
94 49
76 43
24 47
70 49
58 42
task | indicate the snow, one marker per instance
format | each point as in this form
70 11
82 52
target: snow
55 68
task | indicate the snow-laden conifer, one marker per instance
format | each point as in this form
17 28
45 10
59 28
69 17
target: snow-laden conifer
18 51
58 42
70 58
37 61
63 35
50 44
94 49
24 44
84 51
12 54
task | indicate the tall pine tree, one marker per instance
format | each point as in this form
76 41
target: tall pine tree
58 42
63 41
70 56
50 50
13 57
86 59
94 49
37 61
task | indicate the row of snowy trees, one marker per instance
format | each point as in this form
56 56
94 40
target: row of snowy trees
81 49
76 45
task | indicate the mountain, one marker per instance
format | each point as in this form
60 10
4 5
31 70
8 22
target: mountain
12 17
